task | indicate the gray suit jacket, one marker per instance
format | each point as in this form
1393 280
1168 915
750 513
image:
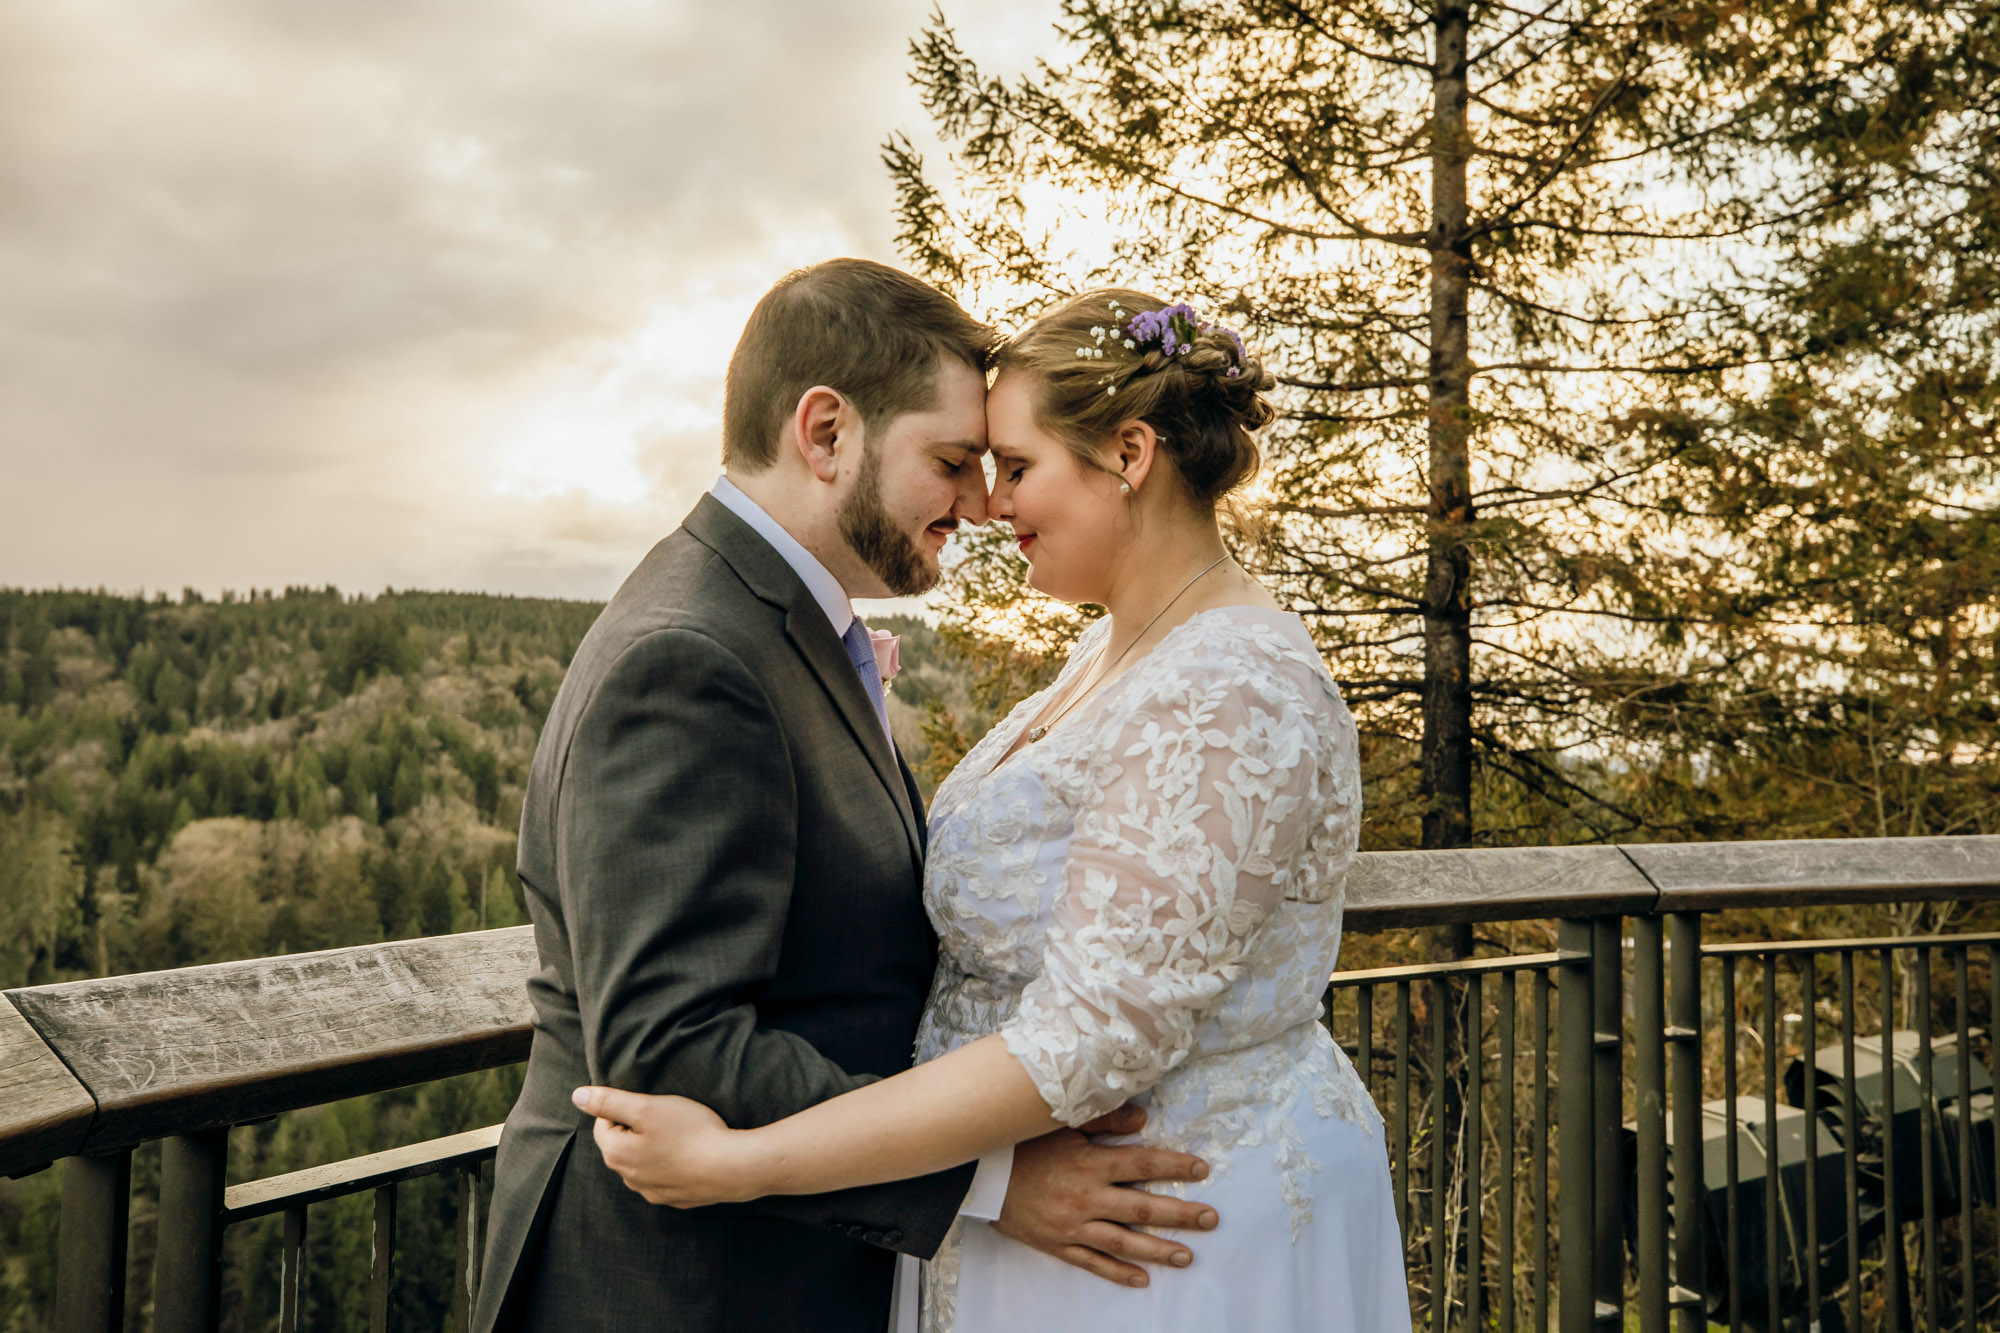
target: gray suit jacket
722 857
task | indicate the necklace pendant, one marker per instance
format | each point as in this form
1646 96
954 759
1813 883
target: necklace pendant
1036 734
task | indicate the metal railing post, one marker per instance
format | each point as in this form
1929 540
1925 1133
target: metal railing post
1649 1056
1896 1281
187 1281
1576 1147
1471 1191
1608 1096
382 1262
1440 1182
1690 1295
292 1272
470 1239
1538 1159
90 1243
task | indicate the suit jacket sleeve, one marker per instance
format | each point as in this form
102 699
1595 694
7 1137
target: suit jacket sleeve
675 838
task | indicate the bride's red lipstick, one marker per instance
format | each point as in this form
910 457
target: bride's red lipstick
1023 539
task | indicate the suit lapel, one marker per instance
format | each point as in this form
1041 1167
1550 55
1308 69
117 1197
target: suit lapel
765 572
916 804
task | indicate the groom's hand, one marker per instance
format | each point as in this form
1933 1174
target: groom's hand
1065 1198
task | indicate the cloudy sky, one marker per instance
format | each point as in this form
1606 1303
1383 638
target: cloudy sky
413 293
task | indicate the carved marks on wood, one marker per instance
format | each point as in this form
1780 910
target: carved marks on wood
166 1051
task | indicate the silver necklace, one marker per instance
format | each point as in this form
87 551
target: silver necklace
1043 729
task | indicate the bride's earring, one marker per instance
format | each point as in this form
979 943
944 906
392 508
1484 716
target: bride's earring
1126 487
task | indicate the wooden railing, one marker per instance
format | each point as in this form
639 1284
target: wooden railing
90 1069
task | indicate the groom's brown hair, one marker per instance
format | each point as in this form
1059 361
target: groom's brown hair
876 335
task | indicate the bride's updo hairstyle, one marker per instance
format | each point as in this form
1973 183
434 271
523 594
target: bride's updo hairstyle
1113 355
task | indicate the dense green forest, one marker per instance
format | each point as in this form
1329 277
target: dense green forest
190 781
186 781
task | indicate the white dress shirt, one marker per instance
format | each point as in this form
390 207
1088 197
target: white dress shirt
989 1183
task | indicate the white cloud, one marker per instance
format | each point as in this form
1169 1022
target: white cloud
429 293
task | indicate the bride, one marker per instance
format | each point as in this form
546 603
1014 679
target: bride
1136 879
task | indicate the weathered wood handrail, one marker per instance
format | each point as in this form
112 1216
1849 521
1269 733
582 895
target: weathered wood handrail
1396 889
117 1061
96 1066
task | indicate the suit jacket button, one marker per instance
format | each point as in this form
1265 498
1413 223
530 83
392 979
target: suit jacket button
892 1237
874 1237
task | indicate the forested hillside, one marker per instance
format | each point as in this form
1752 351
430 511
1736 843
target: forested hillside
191 781
188 781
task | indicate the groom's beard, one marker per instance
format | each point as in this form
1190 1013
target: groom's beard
872 535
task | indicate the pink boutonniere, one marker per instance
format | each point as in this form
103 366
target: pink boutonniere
887 659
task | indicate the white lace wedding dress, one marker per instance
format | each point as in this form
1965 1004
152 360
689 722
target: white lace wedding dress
1146 904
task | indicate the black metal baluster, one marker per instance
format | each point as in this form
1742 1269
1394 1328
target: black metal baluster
465 1287
292 1272
1649 1054
1474 1189
1401 1161
91 1243
1690 1188
1774 1216
382 1261
1364 1018
1928 1127
1731 1152
1440 1160
1809 1057
1993 1052
187 1270
1852 1133
1539 1146
1893 1280
1509 1158
1961 998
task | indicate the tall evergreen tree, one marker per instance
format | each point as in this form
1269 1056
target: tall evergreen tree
1533 278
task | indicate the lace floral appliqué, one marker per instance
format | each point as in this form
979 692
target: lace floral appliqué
1146 904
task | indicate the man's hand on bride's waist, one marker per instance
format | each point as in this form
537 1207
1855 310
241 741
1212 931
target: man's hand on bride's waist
1072 1198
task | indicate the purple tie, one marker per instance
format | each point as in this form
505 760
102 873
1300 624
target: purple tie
861 652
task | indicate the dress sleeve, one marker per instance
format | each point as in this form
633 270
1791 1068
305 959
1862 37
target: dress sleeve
1197 801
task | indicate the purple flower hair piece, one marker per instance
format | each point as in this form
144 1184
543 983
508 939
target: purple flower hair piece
1174 328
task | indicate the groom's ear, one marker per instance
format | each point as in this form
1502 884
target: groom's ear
819 419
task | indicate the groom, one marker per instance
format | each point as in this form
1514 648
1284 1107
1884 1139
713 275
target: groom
723 851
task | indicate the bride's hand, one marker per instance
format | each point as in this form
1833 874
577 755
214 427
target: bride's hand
668 1149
